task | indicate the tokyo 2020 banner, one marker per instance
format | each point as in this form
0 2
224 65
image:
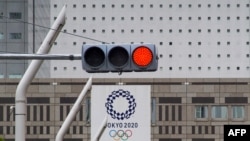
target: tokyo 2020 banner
128 110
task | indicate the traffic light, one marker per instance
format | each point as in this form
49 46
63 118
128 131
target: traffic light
119 58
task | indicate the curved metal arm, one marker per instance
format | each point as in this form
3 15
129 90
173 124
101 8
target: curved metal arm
20 129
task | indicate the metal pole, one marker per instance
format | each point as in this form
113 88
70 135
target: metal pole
100 130
76 107
8 56
20 123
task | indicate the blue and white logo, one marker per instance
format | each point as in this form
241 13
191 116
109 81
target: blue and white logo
112 109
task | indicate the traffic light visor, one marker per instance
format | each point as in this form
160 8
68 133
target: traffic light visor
142 56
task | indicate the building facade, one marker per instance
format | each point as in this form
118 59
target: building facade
195 39
23 26
202 82
13 36
182 109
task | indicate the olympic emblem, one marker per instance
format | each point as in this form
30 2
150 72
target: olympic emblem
120 134
123 115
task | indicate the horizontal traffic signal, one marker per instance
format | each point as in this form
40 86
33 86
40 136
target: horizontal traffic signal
119 58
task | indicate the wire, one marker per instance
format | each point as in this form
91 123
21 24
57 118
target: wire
54 29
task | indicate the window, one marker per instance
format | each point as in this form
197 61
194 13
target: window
1 15
219 112
201 112
238 112
1 36
15 76
15 15
153 110
15 36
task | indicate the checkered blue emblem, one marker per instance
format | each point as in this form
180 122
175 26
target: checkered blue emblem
120 115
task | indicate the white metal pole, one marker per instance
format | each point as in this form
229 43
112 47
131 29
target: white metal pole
20 113
74 110
41 56
101 129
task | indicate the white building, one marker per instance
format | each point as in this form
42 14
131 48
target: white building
195 38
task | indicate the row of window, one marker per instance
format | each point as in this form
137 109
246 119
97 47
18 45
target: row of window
171 43
236 112
160 31
179 68
41 130
161 5
200 55
208 68
161 18
11 76
11 36
12 15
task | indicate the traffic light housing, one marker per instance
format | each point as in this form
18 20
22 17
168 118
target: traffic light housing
119 58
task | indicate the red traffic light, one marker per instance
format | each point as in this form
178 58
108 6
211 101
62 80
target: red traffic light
142 56
119 58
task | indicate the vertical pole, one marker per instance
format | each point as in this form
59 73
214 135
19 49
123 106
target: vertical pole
74 110
20 115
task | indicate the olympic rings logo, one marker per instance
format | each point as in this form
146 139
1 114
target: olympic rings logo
120 134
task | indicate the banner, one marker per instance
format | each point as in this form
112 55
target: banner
128 110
